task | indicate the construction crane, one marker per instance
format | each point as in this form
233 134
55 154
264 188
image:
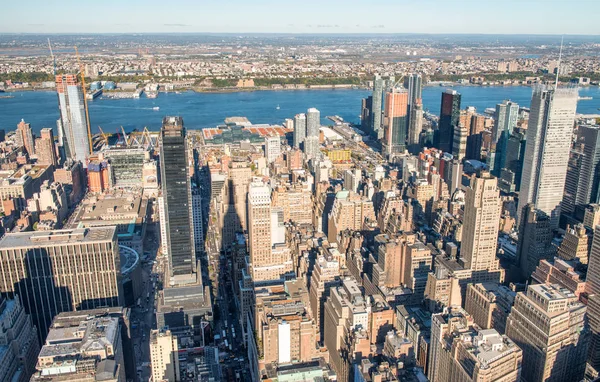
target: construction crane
104 136
125 136
53 58
87 113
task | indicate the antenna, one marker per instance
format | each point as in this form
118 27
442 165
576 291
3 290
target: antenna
559 57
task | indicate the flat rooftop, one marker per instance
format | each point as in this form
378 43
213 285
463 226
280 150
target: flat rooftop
40 239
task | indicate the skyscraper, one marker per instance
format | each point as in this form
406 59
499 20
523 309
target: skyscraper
535 239
272 148
61 271
313 122
510 175
377 103
414 84
588 184
365 114
395 121
449 115
73 124
480 229
299 129
548 323
26 136
45 149
177 195
415 126
459 142
549 134
505 120
267 264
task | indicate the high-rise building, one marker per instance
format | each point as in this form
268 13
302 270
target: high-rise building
414 84
19 341
365 114
377 105
164 356
535 239
352 179
480 228
549 129
74 129
267 263
588 177
272 148
489 304
510 174
198 220
312 148
459 142
325 275
313 122
177 197
44 146
575 244
460 351
349 211
548 323
60 271
505 120
299 130
26 136
415 126
395 121
449 115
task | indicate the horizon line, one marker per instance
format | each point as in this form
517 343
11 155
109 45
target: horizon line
305 33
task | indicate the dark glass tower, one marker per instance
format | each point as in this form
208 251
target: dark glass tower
176 191
449 115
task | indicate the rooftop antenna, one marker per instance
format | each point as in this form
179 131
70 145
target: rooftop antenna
558 66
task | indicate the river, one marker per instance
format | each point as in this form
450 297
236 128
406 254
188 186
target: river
200 110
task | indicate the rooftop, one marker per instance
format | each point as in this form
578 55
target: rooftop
40 239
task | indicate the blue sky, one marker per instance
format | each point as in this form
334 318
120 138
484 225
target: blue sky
306 16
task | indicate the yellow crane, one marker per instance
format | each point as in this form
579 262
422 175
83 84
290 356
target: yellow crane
85 105
104 136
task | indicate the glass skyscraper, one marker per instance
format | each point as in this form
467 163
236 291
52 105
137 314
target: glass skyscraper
73 129
177 195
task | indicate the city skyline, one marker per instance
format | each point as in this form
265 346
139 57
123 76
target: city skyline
468 16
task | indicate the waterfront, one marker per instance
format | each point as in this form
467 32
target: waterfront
199 110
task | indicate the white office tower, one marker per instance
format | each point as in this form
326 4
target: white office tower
549 136
299 129
311 148
313 122
272 148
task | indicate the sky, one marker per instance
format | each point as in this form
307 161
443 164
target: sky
304 16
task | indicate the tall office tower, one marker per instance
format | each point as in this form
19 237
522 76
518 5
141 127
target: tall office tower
545 163
510 174
591 216
266 263
198 220
460 351
414 84
177 196
567 207
592 287
377 103
60 271
26 136
74 129
548 323
535 239
299 129
459 142
346 310
164 356
365 114
415 126
489 304
19 341
272 148
588 182
44 148
449 114
505 120
312 148
325 275
480 228
313 122
395 121
576 244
